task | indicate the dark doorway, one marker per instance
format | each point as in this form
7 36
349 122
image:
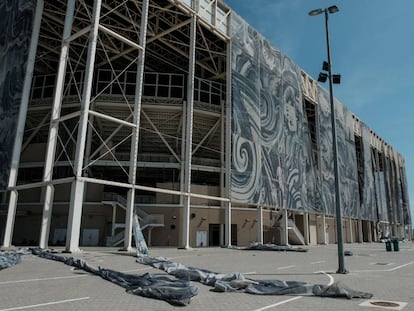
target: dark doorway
234 234
214 235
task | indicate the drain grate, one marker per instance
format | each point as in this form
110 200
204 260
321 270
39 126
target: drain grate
383 304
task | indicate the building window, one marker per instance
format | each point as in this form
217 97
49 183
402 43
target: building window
310 110
360 166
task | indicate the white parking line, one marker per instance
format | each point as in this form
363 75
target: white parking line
386 270
277 304
45 304
316 262
286 267
44 279
402 266
331 279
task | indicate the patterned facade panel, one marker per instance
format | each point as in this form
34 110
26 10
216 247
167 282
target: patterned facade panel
273 163
327 183
271 155
369 206
399 200
247 158
347 165
348 179
404 191
388 177
15 31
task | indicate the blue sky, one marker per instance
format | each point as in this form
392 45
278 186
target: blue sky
372 47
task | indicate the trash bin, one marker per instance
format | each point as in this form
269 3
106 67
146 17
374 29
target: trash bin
396 245
388 246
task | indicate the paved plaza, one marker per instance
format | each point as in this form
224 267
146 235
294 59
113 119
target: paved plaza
41 284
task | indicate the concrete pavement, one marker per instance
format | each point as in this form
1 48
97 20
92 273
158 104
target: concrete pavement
40 284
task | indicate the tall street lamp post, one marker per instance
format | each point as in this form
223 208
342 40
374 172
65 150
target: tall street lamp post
333 79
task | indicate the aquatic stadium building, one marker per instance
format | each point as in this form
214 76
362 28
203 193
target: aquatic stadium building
182 112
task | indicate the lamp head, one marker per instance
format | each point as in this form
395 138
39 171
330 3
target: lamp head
322 77
336 79
315 12
333 9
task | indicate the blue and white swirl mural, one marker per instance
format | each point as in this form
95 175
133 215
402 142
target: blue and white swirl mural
272 162
271 154
15 31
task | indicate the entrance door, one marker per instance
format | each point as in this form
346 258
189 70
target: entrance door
201 238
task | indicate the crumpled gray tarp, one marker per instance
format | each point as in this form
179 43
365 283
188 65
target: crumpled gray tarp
10 258
176 292
272 247
238 282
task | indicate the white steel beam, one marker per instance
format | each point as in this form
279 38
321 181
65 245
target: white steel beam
109 138
120 37
211 131
24 103
37 129
185 240
169 30
149 189
161 136
77 190
112 119
136 121
41 184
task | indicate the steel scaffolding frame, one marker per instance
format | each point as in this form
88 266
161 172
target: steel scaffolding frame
84 36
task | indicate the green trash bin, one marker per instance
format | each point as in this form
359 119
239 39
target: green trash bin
396 245
388 246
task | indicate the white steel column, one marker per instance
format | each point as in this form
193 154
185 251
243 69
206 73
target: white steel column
78 185
228 146
24 103
135 134
260 224
306 227
369 227
360 232
183 146
351 231
185 240
54 127
324 233
284 228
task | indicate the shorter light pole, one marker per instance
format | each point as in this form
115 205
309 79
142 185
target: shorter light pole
333 79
